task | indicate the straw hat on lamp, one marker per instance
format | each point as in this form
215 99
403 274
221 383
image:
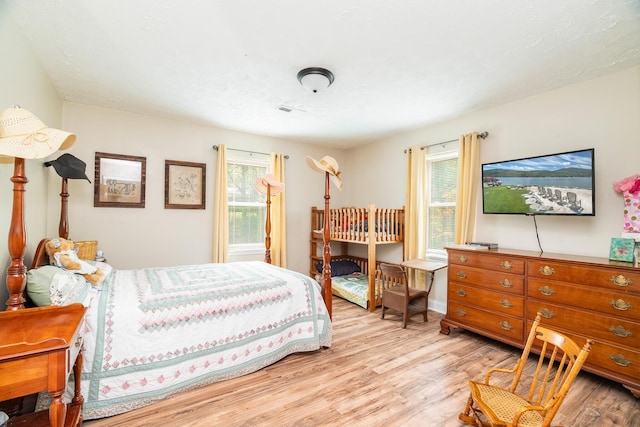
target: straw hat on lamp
23 135
327 164
269 180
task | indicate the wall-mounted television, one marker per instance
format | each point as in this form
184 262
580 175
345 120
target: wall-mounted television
553 184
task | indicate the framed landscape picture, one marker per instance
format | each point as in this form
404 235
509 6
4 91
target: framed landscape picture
184 185
119 181
622 249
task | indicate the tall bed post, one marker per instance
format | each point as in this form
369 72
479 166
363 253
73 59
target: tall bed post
17 271
63 227
326 254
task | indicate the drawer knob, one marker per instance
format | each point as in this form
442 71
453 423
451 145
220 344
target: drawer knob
547 314
620 280
461 293
620 360
461 275
461 312
506 303
506 283
620 304
463 259
506 265
546 270
546 291
506 325
620 331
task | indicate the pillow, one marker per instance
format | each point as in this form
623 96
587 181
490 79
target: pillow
50 285
340 268
38 283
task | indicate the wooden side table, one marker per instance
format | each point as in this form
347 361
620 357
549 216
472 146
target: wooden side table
429 267
37 349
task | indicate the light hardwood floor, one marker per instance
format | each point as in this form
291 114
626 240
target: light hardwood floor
374 374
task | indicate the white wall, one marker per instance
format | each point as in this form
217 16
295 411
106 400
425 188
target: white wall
24 83
155 236
603 113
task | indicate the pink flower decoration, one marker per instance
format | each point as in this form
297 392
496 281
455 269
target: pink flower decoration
630 184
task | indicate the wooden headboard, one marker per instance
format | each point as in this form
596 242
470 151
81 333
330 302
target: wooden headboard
40 257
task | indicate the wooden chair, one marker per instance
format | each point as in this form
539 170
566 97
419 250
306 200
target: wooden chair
400 297
559 362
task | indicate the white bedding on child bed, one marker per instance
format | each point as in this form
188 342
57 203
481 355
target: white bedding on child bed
151 333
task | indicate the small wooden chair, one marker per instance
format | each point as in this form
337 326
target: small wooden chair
400 297
558 364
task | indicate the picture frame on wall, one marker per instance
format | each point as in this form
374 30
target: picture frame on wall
184 185
119 181
622 249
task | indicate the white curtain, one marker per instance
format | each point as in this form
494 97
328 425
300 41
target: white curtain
415 214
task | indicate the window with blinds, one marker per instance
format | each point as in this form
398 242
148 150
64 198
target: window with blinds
442 174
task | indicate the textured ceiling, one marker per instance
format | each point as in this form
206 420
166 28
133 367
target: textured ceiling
398 65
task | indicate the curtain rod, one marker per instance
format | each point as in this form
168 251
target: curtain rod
215 147
481 135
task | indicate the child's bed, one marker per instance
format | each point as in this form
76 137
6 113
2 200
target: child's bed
353 278
152 333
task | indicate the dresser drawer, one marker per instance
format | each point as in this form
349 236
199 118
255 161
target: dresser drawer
614 330
604 356
617 304
497 262
493 301
496 324
612 278
488 279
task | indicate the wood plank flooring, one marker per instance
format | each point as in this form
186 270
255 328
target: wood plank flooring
375 374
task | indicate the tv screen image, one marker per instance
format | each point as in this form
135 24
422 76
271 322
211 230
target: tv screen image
554 184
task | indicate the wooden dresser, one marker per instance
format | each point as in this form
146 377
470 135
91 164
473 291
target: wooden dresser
497 293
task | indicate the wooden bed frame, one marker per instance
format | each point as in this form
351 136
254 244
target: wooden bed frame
348 225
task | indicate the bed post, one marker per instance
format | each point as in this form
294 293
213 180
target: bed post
17 272
63 227
326 254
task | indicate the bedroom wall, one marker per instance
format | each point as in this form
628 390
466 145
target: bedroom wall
601 113
24 83
155 236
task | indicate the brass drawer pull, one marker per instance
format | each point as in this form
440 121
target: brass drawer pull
620 304
506 265
506 303
546 291
620 331
463 259
461 275
620 360
547 314
620 280
506 325
461 312
546 270
461 293
506 283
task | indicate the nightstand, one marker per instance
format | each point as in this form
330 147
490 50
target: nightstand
38 347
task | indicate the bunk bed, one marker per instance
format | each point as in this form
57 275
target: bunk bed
368 226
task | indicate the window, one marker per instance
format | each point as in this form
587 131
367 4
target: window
442 175
247 207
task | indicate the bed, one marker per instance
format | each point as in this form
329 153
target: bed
152 333
354 278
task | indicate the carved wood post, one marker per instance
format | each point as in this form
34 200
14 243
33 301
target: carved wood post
63 228
267 228
326 254
17 272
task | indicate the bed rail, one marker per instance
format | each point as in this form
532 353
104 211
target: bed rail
359 225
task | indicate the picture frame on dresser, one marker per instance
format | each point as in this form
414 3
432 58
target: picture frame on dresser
622 249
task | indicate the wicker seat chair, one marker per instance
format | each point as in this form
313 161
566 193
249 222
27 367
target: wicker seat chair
559 362
400 296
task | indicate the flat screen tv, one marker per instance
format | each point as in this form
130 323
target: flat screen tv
554 184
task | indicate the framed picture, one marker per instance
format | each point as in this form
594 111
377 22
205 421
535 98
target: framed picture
184 185
622 249
119 181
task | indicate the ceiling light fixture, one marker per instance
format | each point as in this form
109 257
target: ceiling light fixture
315 79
